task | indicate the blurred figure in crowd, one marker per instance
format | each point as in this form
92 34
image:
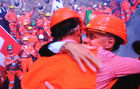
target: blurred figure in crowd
107 10
136 47
3 22
13 66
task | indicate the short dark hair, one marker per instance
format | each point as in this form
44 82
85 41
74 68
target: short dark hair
2 3
136 46
118 41
64 28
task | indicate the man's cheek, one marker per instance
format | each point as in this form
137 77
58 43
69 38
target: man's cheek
93 43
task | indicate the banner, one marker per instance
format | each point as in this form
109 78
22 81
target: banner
89 16
5 40
56 4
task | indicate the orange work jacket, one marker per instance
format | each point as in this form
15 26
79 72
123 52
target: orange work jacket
11 17
46 26
9 58
26 17
23 31
32 39
60 71
28 49
40 22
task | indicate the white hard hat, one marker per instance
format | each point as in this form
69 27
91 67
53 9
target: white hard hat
23 9
75 6
18 16
105 4
41 36
79 8
95 5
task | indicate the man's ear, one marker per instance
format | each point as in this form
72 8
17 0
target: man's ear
110 43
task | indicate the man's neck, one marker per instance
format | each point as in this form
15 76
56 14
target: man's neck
67 39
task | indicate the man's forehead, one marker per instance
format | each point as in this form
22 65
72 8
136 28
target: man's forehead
95 31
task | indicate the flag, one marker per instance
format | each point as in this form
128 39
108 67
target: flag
56 4
89 16
5 40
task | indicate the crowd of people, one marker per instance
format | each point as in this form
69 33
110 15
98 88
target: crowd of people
32 35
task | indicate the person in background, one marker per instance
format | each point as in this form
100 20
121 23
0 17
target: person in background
125 10
40 43
3 22
46 25
136 47
90 6
40 20
26 16
75 6
95 10
23 30
82 13
100 7
3 77
32 37
35 28
11 17
26 53
95 7
107 10
13 66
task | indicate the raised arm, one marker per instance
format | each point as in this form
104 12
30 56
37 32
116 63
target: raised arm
78 52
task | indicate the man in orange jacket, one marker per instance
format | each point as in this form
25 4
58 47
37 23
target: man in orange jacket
32 38
35 28
134 4
26 17
96 10
107 10
12 63
60 70
46 24
125 10
46 27
27 52
3 76
100 7
40 20
24 29
11 17
40 43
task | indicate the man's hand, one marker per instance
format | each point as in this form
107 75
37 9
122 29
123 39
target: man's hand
82 54
48 85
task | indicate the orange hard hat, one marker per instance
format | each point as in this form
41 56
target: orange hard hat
63 14
109 24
